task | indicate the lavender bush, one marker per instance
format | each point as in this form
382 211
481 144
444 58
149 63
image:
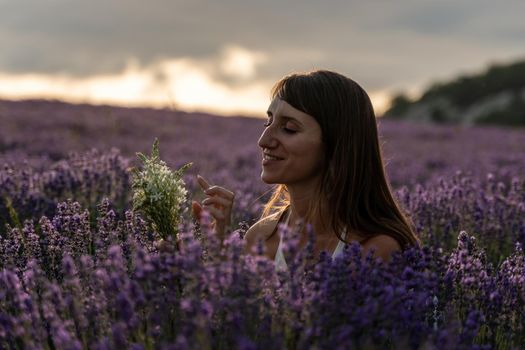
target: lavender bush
80 269
65 285
88 177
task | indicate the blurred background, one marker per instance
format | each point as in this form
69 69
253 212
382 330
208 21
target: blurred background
444 61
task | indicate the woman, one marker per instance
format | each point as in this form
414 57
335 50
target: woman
320 146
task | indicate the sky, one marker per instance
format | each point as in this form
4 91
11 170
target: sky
223 56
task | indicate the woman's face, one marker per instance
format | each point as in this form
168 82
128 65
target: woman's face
295 137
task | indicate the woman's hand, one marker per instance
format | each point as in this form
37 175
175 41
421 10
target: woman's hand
219 203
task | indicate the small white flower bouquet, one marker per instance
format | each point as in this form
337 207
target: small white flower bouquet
159 192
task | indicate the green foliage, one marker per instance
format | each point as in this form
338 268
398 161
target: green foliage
438 115
468 91
513 115
159 192
13 215
399 106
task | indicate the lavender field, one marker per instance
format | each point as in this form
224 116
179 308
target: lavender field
80 269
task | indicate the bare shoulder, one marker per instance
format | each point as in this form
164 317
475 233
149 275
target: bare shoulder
261 229
384 246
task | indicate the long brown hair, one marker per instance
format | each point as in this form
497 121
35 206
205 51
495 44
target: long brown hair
354 185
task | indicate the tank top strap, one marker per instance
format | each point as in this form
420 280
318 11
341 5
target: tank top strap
340 246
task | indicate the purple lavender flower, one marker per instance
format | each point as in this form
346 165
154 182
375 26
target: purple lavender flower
80 270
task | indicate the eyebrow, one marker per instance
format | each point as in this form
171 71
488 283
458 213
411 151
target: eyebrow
270 114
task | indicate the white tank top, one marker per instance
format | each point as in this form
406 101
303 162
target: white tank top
280 262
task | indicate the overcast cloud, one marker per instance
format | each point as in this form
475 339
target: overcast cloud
236 45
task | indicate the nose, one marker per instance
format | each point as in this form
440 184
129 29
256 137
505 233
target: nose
267 139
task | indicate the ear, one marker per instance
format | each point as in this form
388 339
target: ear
384 246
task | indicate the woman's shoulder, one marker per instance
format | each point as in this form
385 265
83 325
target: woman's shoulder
261 226
262 229
383 246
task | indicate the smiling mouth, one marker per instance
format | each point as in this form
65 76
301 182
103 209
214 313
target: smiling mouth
267 157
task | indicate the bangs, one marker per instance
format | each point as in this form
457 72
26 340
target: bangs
294 89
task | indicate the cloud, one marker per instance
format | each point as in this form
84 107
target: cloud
240 63
235 48
182 82
174 83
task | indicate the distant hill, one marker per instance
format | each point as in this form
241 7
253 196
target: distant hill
496 96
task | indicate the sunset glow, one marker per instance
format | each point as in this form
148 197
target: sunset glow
175 83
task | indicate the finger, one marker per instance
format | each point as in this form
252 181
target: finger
196 209
221 191
203 183
216 213
218 200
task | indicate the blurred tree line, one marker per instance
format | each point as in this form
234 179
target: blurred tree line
496 96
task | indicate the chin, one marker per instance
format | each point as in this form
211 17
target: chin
266 181
269 180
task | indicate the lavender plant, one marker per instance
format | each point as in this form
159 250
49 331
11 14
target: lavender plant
80 269
159 193
28 192
126 294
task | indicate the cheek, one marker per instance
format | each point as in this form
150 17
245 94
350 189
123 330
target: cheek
320 163
318 152
313 156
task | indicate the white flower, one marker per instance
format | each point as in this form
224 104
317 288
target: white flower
158 192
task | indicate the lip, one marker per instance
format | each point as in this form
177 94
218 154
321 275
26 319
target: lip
271 155
270 161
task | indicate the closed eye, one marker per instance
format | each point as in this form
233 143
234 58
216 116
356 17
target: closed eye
287 130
